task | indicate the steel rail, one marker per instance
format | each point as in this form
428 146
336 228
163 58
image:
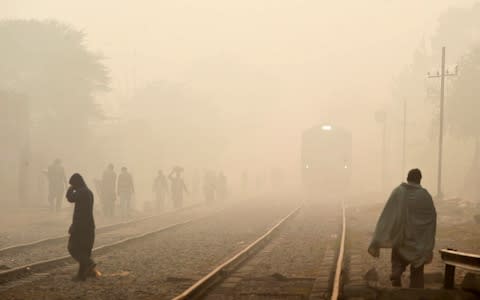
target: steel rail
25 270
200 287
101 229
338 270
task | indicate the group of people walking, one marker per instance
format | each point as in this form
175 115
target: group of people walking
215 187
82 229
163 186
177 188
119 190
407 224
111 186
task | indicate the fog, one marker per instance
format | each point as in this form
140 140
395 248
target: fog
231 85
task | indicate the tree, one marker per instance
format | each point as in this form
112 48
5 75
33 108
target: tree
15 145
457 30
49 63
463 114
464 104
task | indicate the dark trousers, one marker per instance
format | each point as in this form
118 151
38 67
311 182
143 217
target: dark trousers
80 248
399 264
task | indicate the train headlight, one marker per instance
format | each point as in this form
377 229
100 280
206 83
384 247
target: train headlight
307 166
345 167
326 127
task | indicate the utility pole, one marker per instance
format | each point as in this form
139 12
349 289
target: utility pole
442 75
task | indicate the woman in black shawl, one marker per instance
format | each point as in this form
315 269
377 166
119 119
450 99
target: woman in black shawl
82 230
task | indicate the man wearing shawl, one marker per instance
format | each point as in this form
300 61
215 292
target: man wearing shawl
407 225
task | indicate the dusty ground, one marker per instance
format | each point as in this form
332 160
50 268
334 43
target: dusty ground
161 267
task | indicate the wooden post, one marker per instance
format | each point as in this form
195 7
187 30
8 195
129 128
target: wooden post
449 281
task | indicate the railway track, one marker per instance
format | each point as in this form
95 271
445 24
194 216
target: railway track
103 229
14 276
243 276
162 266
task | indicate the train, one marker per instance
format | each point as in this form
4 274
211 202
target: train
326 158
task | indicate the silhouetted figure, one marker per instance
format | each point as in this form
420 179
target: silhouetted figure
160 189
177 187
108 195
57 182
82 230
125 191
221 191
209 187
407 225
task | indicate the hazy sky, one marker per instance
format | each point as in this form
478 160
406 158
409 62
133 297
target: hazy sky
294 63
312 46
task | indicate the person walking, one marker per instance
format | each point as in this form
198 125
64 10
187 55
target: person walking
82 229
160 189
57 183
125 190
407 225
177 187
